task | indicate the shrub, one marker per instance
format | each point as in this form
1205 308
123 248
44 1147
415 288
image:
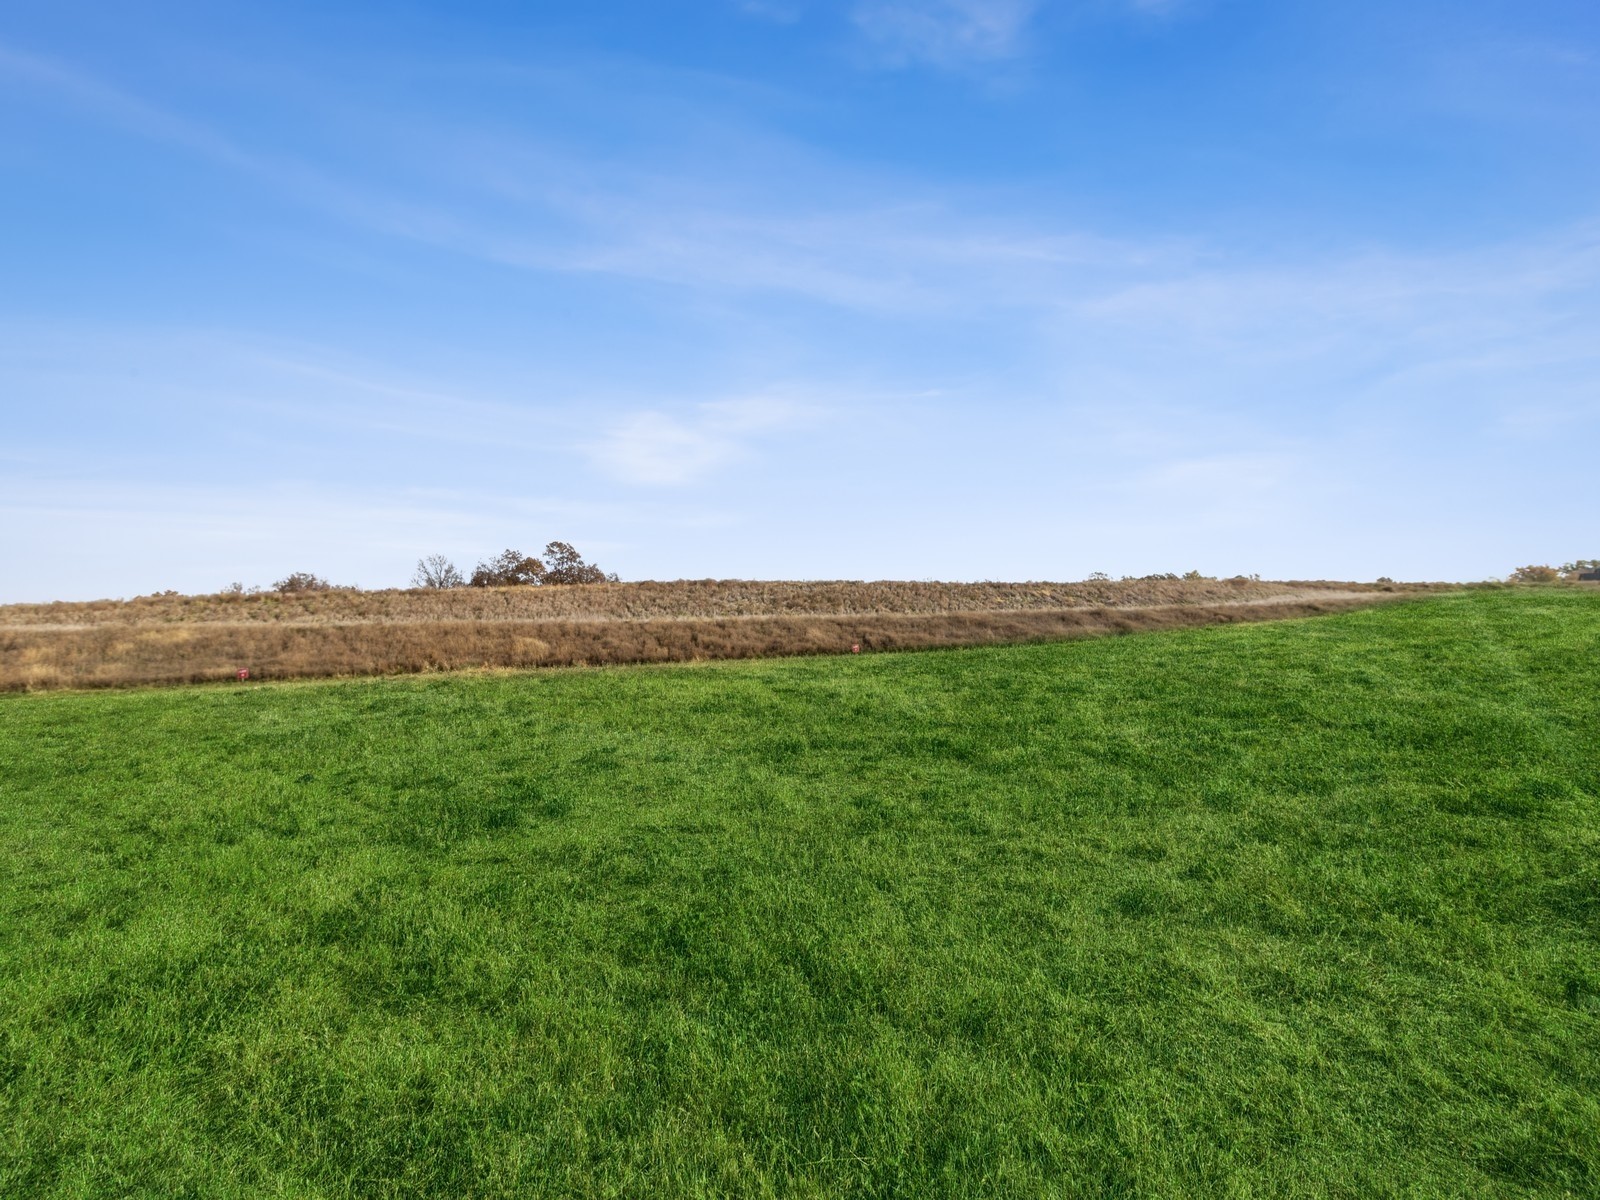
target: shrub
303 581
563 564
437 571
510 568
1541 574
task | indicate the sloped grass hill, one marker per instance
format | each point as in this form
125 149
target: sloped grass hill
170 638
1297 909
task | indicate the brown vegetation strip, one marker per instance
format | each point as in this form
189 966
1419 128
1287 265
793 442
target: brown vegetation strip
119 655
648 600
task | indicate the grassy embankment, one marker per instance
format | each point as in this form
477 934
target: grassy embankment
1308 908
193 639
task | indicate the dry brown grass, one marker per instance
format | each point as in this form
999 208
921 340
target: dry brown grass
187 639
651 600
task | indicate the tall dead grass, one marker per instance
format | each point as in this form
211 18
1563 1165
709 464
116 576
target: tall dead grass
104 654
701 598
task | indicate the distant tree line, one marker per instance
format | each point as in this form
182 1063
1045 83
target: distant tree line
561 564
1549 574
291 584
1162 576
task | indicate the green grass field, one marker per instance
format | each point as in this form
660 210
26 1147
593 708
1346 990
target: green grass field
1298 909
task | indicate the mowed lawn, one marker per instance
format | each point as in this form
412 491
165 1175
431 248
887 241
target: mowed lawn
1298 909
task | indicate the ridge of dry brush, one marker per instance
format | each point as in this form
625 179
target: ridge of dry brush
167 640
651 599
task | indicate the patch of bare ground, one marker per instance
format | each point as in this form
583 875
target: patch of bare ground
189 639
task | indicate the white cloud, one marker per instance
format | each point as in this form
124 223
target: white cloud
1488 329
783 12
656 448
945 33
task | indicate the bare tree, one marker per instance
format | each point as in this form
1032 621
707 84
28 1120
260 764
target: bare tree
510 568
437 571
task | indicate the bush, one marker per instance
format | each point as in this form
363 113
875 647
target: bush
302 581
1543 574
510 568
437 571
563 564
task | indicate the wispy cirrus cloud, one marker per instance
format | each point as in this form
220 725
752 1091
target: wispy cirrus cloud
945 33
851 241
782 11
1231 380
659 448
120 108
848 239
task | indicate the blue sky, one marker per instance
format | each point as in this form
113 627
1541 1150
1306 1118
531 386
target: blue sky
797 288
